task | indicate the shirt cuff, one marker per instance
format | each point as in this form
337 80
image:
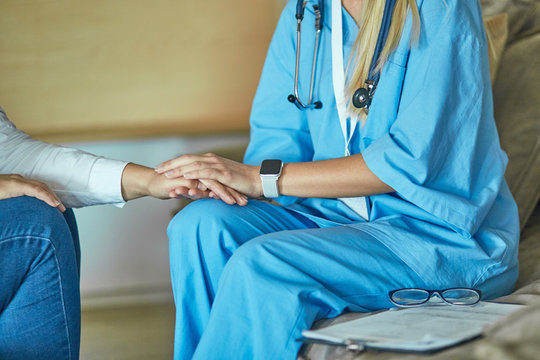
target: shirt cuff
106 180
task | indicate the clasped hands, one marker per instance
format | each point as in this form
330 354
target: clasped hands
192 176
216 177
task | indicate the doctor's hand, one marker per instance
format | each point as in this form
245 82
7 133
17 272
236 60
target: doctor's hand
220 175
14 185
138 181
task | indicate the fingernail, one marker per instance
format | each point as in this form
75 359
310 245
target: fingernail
168 174
188 176
158 169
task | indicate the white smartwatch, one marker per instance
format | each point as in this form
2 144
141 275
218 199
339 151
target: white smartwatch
270 172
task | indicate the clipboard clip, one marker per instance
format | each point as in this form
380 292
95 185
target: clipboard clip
355 345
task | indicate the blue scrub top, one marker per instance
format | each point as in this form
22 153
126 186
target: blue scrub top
430 133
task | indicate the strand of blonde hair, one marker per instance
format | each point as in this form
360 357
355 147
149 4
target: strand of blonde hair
366 41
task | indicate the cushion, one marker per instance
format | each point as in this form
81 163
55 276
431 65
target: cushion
496 34
513 338
517 114
524 15
529 252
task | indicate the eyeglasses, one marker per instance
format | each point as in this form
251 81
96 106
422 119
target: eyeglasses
415 297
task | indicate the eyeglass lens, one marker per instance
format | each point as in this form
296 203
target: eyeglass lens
461 296
409 297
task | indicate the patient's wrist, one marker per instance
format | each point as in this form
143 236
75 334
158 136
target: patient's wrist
136 181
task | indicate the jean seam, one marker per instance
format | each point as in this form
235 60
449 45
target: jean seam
47 240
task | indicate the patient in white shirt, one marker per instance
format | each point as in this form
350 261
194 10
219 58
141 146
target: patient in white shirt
39 246
73 177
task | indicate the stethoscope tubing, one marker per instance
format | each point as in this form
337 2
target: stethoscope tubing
313 66
318 26
362 96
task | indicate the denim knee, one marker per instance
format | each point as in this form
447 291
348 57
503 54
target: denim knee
28 216
40 276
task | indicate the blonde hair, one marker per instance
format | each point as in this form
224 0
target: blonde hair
366 41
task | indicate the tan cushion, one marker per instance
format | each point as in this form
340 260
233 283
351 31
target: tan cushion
512 338
496 34
524 15
517 112
529 252
516 97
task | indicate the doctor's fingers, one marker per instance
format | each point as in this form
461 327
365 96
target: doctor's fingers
188 168
225 193
184 192
197 194
188 183
185 160
202 162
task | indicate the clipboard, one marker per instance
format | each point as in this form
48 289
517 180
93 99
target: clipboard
422 329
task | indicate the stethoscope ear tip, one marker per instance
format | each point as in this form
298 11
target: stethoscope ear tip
318 105
291 98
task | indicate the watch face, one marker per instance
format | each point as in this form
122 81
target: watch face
271 167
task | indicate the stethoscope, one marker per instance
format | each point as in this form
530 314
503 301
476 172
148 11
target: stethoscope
318 9
363 96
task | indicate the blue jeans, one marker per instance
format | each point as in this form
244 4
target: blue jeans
39 281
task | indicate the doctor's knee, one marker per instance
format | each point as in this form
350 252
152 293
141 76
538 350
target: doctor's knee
196 215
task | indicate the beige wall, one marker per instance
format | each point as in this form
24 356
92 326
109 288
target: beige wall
72 70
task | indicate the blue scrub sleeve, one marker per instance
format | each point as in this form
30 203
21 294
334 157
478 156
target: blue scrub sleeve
442 152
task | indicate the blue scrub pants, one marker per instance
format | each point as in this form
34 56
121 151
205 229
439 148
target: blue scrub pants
39 281
247 280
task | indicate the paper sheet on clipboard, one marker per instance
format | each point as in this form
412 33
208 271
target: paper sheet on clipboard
418 329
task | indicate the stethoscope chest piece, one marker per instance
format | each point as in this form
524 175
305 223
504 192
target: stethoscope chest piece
362 97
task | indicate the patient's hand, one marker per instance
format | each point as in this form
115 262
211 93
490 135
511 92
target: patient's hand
138 181
14 185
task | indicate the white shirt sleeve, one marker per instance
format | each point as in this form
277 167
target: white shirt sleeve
77 177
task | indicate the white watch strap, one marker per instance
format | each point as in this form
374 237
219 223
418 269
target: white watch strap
270 186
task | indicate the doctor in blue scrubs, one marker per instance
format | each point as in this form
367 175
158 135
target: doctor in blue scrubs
411 196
